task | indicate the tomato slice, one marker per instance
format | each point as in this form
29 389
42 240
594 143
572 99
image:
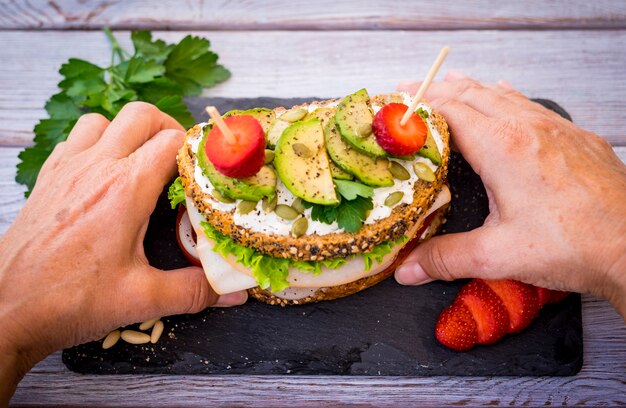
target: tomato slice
186 236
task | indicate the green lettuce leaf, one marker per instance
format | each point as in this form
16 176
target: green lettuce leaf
271 272
378 253
176 193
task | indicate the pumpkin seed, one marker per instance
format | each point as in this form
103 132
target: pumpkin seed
148 324
302 150
293 115
268 205
269 156
394 198
424 172
157 331
299 227
286 212
245 207
111 339
298 205
364 129
398 171
135 337
219 197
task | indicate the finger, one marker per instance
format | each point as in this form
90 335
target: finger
468 128
154 165
161 293
408 86
133 126
474 94
506 90
449 257
86 132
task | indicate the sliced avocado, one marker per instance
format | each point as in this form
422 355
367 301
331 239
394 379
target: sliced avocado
275 131
302 164
262 184
323 114
339 173
265 117
354 114
430 150
370 170
232 113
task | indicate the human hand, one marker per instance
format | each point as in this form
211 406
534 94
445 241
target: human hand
73 265
557 197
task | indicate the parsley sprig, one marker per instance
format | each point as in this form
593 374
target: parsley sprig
352 210
157 72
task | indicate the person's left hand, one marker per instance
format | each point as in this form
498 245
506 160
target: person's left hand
73 265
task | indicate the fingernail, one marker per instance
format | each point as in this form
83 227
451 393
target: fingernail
412 274
455 75
505 84
232 299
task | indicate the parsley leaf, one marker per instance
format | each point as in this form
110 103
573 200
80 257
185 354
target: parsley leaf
351 211
193 67
351 189
157 72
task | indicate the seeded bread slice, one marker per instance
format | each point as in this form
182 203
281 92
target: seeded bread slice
312 246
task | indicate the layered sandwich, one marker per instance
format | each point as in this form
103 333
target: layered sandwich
314 202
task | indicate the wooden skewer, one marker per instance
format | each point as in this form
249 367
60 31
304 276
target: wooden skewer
217 118
425 84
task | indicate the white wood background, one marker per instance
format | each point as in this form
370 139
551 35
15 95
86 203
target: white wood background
573 52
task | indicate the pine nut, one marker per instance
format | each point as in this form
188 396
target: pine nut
157 331
135 337
148 324
111 339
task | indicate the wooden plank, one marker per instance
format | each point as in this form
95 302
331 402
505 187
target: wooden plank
596 384
311 15
582 70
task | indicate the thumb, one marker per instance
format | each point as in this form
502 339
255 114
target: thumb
447 257
186 290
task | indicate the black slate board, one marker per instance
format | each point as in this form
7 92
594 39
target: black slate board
385 330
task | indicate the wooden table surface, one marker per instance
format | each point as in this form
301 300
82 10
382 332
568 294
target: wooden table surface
573 52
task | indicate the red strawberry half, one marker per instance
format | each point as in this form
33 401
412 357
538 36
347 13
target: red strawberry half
456 327
397 139
244 157
520 299
492 319
547 296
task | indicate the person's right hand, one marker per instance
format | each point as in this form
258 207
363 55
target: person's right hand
557 197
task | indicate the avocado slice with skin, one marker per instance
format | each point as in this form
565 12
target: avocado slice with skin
353 113
370 170
302 163
323 114
262 184
265 117
339 173
275 131
430 149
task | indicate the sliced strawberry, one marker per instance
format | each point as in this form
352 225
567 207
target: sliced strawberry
543 296
456 327
492 318
520 299
397 139
558 295
241 159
